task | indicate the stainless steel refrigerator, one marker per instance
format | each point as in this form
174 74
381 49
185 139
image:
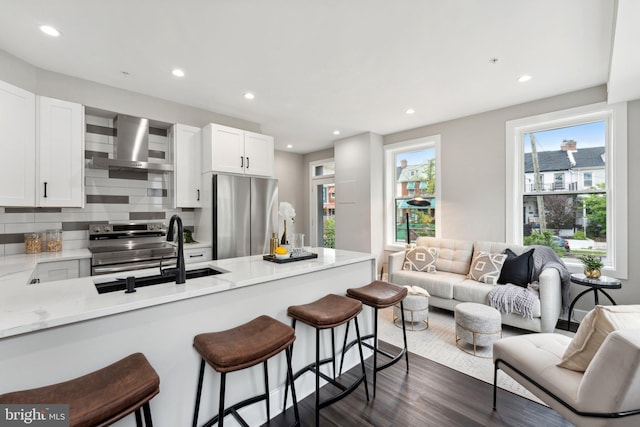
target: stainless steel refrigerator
245 213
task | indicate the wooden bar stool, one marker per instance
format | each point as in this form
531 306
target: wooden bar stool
327 313
102 397
379 294
243 347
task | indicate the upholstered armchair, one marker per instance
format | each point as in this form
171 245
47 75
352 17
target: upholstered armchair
607 393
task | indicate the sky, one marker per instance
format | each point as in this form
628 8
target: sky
586 135
416 157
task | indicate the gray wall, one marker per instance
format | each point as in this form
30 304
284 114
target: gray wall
290 171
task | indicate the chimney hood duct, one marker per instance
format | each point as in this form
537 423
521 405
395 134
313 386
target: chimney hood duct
131 148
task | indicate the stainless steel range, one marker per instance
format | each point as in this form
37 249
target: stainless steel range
129 246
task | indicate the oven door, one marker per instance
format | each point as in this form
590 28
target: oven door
105 260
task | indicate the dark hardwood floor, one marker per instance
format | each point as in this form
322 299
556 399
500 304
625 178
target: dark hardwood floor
430 395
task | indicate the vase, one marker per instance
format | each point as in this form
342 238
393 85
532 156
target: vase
592 273
283 241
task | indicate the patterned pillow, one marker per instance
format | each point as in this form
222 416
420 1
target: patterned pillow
420 258
485 267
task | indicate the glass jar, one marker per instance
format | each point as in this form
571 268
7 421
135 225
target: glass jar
32 243
53 240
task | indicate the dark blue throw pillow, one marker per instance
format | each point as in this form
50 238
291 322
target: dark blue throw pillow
517 269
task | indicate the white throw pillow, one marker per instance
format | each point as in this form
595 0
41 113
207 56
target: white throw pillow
421 258
593 329
486 267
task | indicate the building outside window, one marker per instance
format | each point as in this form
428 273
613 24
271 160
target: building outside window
412 170
583 211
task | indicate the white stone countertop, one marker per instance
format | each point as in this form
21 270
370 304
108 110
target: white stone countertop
30 307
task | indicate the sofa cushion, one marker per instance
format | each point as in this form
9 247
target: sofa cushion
420 258
454 256
486 267
593 329
517 269
471 291
438 285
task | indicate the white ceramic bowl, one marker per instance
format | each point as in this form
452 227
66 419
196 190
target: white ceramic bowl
283 256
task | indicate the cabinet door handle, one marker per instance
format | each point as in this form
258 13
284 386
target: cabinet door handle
247 163
198 199
196 256
241 161
45 189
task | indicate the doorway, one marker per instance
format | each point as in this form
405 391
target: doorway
323 205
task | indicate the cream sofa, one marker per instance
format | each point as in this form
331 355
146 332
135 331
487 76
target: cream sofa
449 285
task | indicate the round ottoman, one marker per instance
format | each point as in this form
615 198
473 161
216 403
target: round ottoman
416 312
478 325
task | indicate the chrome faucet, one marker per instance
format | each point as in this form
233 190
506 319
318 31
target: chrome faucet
179 271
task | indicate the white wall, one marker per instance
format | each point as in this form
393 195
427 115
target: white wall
289 171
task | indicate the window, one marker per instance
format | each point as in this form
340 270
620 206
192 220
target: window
584 151
587 179
412 170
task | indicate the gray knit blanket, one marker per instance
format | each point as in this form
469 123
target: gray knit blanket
516 299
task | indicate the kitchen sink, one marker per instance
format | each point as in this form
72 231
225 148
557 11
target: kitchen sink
120 284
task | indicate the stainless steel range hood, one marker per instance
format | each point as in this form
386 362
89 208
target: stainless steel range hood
131 148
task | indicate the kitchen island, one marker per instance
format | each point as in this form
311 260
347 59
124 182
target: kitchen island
53 331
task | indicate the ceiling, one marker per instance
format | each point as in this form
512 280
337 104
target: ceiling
319 66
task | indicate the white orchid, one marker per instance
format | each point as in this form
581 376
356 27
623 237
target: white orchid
287 212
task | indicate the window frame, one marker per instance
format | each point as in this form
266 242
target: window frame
390 150
616 175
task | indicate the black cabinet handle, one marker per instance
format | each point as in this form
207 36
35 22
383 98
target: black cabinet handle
45 189
196 256
198 195
247 163
241 161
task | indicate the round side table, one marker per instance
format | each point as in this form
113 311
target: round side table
595 285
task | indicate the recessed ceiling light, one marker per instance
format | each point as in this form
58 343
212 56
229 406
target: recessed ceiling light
50 31
177 72
289 146
410 111
249 95
524 78
336 132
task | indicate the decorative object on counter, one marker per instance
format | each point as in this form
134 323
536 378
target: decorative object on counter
188 236
289 258
287 213
592 265
32 243
273 244
297 247
53 240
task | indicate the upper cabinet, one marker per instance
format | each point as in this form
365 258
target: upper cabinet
60 137
187 148
226 149
18 146
42 143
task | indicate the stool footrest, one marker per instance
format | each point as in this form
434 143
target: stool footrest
233 410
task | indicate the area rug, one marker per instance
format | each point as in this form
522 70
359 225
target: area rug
437 343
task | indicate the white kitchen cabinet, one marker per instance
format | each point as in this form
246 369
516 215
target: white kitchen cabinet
56 270
18 146
197 255
187 148
230 150
42 145
60 142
